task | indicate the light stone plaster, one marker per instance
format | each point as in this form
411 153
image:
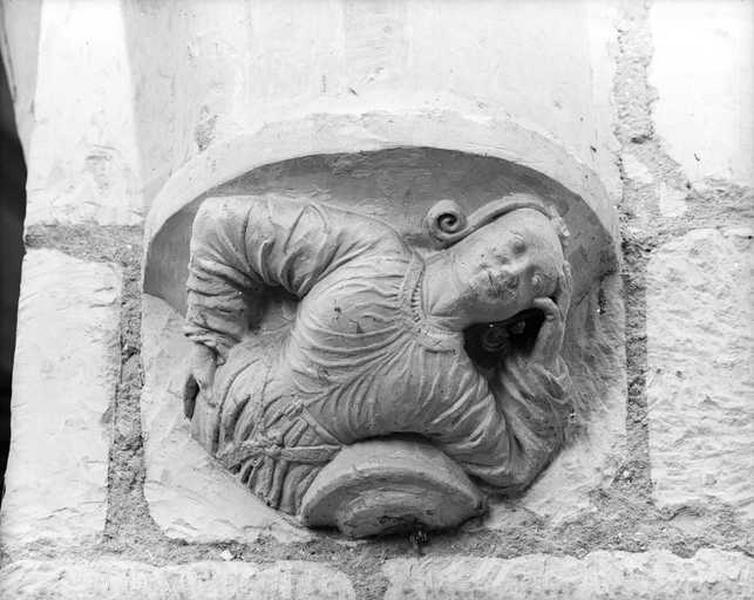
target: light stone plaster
601 575
702 71
190 496
66 369
238 66
672 202
602 18
700 379
179 471
83 149
233 67
635 169
105 579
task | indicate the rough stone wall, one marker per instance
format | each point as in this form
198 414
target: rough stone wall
676 521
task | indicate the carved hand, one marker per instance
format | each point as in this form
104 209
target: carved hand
550 338
201 375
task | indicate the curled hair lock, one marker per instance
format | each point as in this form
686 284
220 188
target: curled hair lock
447 223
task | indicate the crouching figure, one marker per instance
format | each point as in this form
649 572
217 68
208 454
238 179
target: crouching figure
460 345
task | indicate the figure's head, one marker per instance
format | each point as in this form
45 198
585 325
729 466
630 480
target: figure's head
500 267
503 266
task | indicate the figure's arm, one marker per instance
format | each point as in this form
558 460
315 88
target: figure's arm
508 433
241 247
536 403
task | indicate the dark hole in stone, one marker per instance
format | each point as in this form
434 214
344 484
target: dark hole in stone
485 343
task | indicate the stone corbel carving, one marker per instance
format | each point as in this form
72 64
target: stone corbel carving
404 376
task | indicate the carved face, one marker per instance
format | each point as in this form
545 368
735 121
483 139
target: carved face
504 266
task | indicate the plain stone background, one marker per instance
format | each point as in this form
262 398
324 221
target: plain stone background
123 107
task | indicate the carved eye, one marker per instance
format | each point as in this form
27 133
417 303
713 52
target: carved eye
519 246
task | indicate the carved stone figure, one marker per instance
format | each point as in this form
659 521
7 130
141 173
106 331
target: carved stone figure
459 344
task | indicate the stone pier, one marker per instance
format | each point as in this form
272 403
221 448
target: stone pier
631 120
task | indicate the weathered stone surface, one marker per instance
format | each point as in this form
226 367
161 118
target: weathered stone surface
123 580
707 127
66 369
604 575
190 496
83 151
700 382
380 56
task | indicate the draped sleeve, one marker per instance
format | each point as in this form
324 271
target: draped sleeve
241 246
506 429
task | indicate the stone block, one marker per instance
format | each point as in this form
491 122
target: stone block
700 382
83 145
190 495
66 370
658 575
106 579
377 55
708 127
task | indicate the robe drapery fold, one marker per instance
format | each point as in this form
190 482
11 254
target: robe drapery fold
361 359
